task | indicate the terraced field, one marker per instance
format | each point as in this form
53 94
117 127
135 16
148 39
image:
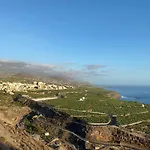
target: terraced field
97 106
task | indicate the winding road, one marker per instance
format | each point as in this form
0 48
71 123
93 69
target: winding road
121 144
135 123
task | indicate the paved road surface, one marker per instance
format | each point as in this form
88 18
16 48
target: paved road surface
44 98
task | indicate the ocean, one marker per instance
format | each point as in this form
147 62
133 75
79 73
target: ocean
133 93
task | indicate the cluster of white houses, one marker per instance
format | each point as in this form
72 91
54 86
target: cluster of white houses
10 87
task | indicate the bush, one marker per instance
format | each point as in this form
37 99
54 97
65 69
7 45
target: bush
16 97
2 139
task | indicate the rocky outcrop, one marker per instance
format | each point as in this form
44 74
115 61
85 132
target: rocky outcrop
99 133
113 94
18 139
118 135
10 87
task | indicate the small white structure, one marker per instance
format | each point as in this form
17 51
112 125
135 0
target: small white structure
97 148
81 99
143 105
47 134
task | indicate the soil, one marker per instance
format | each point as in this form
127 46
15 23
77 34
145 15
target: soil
72 132
15 138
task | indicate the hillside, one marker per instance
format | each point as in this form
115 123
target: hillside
27 72
60 116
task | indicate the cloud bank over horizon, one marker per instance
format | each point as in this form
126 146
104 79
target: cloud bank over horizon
64 70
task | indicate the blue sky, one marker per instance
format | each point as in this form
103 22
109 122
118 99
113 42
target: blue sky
112 34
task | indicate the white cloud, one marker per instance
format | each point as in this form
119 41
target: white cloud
64 70
93 66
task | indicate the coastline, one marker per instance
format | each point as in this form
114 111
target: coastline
139 94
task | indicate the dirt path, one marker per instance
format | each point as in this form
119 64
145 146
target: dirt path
83 111
135 123
121 144
143 112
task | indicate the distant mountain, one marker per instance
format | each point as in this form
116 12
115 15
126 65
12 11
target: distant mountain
14 70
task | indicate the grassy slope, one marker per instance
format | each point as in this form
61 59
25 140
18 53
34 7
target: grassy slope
144 127
98 102
5 99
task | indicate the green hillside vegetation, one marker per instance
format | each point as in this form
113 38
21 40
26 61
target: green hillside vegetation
96 107
144 127
97 102
5 99
13 78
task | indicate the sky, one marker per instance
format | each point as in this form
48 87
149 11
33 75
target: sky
108 39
